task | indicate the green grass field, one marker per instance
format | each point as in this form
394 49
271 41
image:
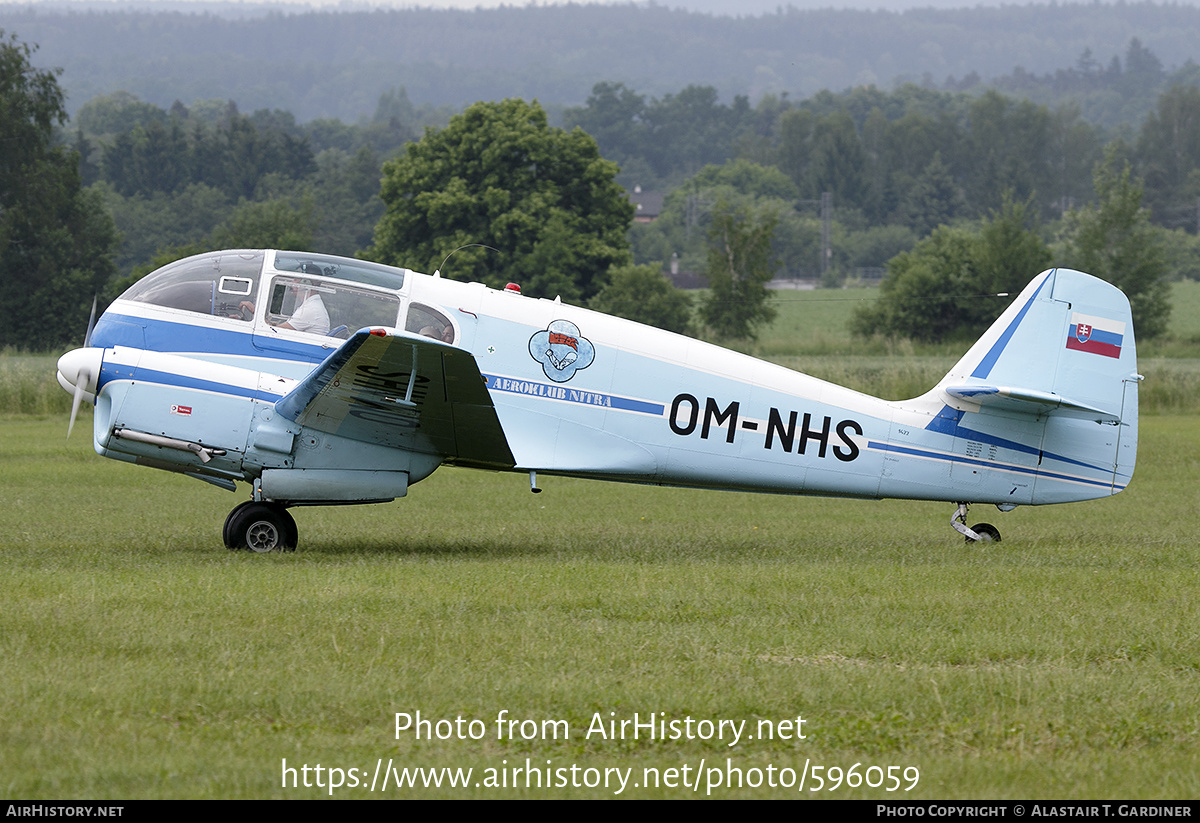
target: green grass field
144 660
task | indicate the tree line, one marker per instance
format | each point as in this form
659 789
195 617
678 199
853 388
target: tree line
896 167
335 63
897 164
184 176
913 155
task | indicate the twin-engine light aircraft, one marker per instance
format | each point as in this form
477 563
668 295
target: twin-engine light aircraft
322 380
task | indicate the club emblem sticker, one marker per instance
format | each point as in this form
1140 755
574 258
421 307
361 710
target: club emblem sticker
561 350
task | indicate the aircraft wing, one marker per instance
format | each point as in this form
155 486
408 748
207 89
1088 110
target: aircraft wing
1030 401
404 391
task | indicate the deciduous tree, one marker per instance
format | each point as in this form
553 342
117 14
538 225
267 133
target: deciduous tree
740 264
643 294
946 285
499 176
56 240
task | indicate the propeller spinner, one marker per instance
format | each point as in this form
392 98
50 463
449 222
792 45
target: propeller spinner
79 373
79 370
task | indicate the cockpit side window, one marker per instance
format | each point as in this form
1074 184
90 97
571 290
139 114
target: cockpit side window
429 322
343 268
330 308
221 284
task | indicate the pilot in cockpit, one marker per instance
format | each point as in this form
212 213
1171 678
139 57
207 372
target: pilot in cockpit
310 314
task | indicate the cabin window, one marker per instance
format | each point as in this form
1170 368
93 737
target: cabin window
429 322
221 284
240 286
329 308
342 268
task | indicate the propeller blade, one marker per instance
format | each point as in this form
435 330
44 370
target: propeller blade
87 338
81 385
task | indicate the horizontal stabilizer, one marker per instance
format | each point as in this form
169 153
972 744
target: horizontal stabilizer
1030 401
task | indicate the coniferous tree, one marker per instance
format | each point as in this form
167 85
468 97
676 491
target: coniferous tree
1169 155
1113 239
933 199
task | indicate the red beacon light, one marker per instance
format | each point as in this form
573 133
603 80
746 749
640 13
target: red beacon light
513 287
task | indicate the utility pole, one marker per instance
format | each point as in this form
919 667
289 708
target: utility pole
826 252
826 232
695 205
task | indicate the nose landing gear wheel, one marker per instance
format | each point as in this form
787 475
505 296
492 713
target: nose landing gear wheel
260 527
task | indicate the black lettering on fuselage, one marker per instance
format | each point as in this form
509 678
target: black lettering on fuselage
807 434
780 427
851 450
775 426
690 426
714 414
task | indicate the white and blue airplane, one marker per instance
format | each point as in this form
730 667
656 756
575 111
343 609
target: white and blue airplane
322 380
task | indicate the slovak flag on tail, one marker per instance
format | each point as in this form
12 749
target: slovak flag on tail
1095 335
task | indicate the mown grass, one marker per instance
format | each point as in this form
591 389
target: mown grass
144 660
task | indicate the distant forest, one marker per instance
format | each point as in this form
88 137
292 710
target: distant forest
198 131
337 64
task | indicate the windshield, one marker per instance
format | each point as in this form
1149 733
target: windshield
215 283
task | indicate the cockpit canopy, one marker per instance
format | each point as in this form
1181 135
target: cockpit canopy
213 283
204 281
342 294
341 268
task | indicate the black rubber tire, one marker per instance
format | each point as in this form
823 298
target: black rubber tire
987 533
260 527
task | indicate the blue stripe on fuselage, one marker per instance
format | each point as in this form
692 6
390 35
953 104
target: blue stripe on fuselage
567 394
912 451
946 422
168 336
165 378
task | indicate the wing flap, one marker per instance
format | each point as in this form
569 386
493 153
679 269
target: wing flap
403 391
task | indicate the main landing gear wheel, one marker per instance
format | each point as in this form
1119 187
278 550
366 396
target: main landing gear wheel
260 527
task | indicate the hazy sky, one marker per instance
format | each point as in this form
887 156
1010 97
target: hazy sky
728 7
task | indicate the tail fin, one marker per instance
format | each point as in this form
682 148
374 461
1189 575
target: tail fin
1065 344
1062 353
